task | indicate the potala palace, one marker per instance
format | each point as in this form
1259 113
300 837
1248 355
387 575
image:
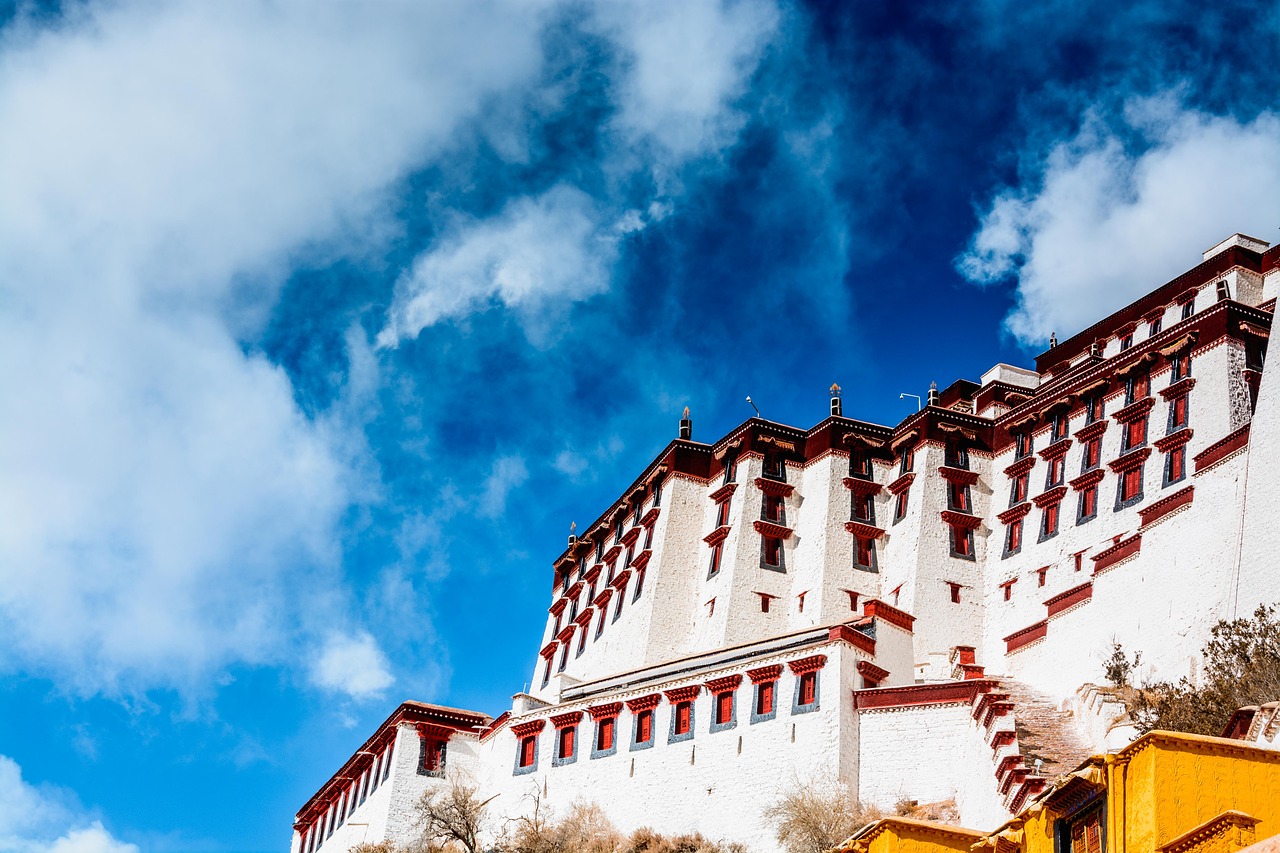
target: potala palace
919 611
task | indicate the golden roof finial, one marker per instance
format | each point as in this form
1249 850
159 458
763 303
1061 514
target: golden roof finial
686 413
835 390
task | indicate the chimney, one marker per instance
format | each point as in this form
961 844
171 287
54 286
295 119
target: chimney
1053 340
933 394
836 409
686 425
573 536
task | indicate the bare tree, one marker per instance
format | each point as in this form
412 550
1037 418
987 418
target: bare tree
812 817
453 816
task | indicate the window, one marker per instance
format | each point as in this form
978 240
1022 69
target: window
546 672
957 455
635 596
604 614
1081 834
1130 490
771 552
1126 341
644 727
764 601
1041 574
958 497
1178 413
730 467
1135 434
386 768
1137 388
1055 474
864 508
715 560
1157 322
1088 508
723 715
1092 455
657 492
1059 426
764 698
1180 367
604 734
1018 493
622 597
528 750
564 656
962 542
1175 466
1013 538
431 757
1022 444
859 464
864 553
1188 308
722 513
566 741
1093 409
1007 588
907 461
682 718
900 506
955 591
582 641
774 509
807 690
774 467
1224 290
1049 522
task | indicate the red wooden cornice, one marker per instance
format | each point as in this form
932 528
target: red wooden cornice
878 609
642 560
1026 636
1092 431
1166 505
1173 439
1181 388
809 664
1053 496
629 538
872 672
572 592
765 674
592 573
961 519
584 618
1013 513
902 483
717 535
1130 460
1087 479
1058 448
651 516
1065 600
863 531
860 487
566 633
723 493
959 476
683 694
853 637
1220 450
620 579
1022 466
558 608
725 684
644 703
572 718
549 649
1117 552
612 553
776 488
605 712
602 600
940 693
523 730
771 530
1133 411
1179 344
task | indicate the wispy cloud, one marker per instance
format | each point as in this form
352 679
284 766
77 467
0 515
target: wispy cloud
352 664
1121 207
48 820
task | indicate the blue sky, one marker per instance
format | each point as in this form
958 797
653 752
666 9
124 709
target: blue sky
320 322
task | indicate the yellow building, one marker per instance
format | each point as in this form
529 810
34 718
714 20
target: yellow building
1164 793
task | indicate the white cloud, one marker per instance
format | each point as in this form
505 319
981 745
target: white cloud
536 252
162 496
352 664
1099 225
47 820
508 473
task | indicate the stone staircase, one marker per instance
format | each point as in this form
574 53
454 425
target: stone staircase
1032 740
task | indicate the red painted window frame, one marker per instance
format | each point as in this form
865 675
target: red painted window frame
808 692
567 742
683 717
723 707
605 732
765 697
644 726
528 750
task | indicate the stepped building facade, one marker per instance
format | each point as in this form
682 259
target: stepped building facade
918 611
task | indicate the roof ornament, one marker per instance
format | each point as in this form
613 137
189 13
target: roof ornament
836 408
686 425
1095 351
573 536
933 394
1053 340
